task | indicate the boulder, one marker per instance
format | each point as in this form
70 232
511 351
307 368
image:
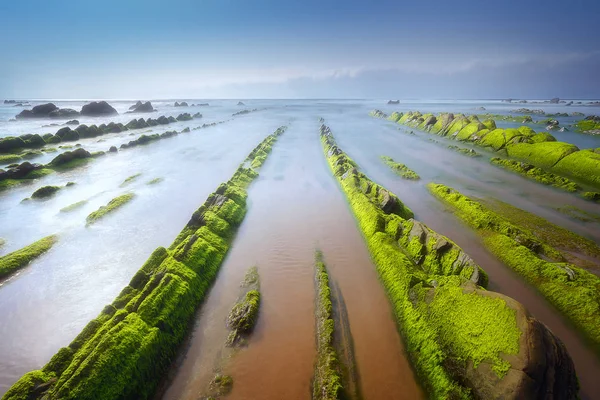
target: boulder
393 102
163 120
240 103
184 117
72 122
70 156
542 369
10 143
142 107
45 191
39 111
555 100
97 108
197 115
21 170
67 134
33 140
113 149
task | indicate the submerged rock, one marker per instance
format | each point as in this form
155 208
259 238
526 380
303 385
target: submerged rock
39 111
393 102
136 105
72 122
96 108
240 103
68 156
182 104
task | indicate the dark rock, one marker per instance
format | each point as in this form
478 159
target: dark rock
21 170
10 143
72 122
197 115
63 113
240 103
33 140
45 191
184 117
172 119
393 102
39 111
143 107
10 101
67 134
182 104
202 105
163 120
555 100
113 149
136 105
96 108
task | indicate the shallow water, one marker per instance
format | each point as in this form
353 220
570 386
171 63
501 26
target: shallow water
294 207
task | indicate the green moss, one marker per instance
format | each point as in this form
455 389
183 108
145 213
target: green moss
126 350
415 265
10 183
112 205
220 385
544 155
155 181
74 206
585 125
592 196
9 158
464 151
577 213
45 191
130 179
18 259
401 169
327 381
582 165
572 290
469 130
537 174
243 316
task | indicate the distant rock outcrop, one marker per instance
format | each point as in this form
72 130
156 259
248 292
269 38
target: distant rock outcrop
72 122
133 107
142 107
240 103
393 102
182 104
97 108
39 111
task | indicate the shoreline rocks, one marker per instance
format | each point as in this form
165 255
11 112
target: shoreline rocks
140 107
97 108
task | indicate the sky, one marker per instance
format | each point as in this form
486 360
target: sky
461 49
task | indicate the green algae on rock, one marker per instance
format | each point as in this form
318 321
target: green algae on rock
45 191
327 381
535 173
577 213
523 144
155 181
9 158
130 179
220 385
74 206
497 351
574 291
466 152
243 315
112 205
18 259
401 169
125 351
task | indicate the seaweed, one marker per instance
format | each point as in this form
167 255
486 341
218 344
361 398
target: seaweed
112 205
401 169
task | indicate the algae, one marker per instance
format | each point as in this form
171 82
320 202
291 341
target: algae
45 191
12 262
574 291
401 169
155 181
74 206
327 381
130 179
244 314
112 205
537 174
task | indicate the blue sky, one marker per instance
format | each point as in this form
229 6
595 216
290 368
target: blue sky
237 48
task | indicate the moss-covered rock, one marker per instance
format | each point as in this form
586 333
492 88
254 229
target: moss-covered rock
537 174
431 281
572 290
400 169
12 262
244 314
45 191
327 380
112 205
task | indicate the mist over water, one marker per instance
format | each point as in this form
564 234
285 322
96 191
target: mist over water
295 207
